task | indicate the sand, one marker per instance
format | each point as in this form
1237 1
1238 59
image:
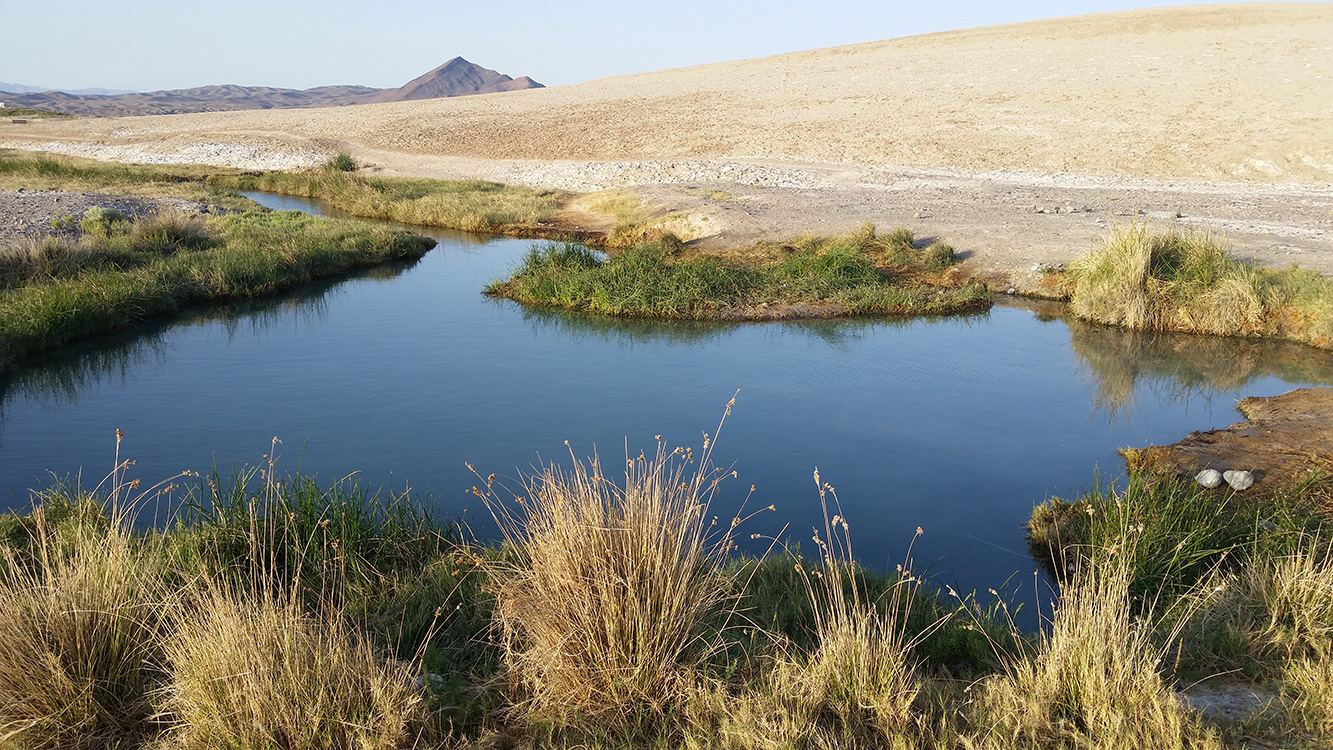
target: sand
1018 144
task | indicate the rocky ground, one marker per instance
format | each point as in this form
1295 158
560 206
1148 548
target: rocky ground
32 214
1282 438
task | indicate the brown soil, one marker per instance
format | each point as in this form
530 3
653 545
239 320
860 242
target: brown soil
1283 438
1017 144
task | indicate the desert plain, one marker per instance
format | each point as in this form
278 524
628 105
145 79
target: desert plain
1017 144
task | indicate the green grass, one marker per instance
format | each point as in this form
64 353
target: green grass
24 112
1147 279
859 274
56 292
20 169
469 205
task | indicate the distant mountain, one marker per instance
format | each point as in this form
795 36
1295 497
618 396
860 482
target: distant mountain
458 77
18 88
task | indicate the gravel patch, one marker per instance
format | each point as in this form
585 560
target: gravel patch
29 214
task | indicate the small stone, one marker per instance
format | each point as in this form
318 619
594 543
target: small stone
1011 291
916 215
1239 480
1209 478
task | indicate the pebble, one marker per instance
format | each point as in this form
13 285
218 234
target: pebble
1209 478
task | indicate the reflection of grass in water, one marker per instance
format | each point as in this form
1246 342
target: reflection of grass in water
1184 365
63 374
837 332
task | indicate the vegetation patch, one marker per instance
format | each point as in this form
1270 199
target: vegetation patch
117 273
857 274
275 612
1148 279
469 205
21 169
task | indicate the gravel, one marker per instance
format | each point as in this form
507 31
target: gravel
29 214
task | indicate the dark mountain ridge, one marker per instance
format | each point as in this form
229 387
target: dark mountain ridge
458 77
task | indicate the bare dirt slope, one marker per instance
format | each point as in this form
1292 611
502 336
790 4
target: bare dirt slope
1223 113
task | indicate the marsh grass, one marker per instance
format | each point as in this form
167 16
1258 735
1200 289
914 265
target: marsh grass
59 292
609 610
861 680
1095 679
19 169
856 274
82 613
1149 279
469 205
256 671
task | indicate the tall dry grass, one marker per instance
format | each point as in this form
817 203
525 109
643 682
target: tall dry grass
1095 679
611 602
80 626
253 671
861 674
1186 280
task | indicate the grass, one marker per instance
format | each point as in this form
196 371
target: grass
22 112
607 611
469 205
273 611
1147 279
857 274
119 273
1095 679
19 169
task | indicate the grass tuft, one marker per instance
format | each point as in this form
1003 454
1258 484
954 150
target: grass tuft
80 628
1147 279
1095 679
609 608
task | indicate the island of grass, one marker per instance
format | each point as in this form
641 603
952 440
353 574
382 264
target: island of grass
862 273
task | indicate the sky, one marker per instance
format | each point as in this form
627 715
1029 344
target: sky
146 45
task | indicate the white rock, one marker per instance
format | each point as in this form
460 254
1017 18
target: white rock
1239 480
1209 478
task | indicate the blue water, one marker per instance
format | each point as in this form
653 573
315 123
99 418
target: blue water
405 374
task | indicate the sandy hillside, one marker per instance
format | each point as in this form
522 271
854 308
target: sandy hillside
1133 111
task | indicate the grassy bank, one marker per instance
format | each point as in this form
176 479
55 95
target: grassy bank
54 291
274 612
1148 279
861 273
469 205
21 169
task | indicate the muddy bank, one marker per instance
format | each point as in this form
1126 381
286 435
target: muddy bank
1283 438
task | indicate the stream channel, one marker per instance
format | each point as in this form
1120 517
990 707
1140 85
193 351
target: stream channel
403 374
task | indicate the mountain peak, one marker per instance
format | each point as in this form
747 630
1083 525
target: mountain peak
456 77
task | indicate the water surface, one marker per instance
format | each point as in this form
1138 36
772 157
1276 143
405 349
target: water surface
406 373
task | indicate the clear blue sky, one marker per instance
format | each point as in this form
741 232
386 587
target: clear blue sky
159 44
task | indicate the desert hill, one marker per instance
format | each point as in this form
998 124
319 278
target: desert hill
1222 92
458 77
1019 144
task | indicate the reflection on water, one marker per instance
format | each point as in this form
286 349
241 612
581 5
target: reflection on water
959 425
61 375
1184 367
837 333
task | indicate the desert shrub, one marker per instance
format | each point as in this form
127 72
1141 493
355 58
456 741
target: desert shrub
341 162
104 222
